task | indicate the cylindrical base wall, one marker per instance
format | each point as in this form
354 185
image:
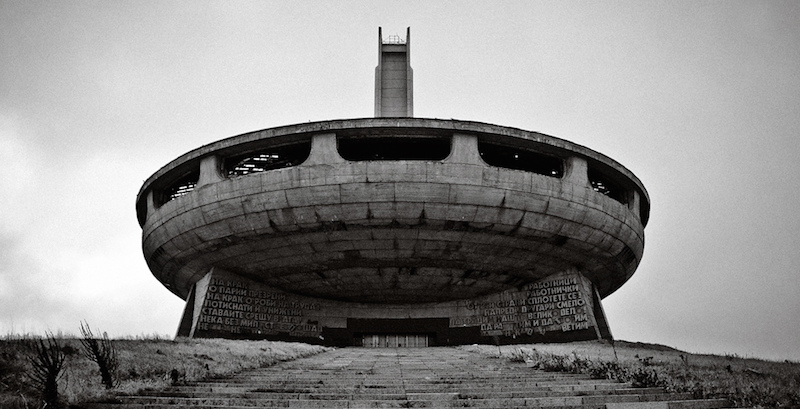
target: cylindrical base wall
561 307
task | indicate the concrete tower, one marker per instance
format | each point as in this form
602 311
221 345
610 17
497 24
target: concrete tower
394 81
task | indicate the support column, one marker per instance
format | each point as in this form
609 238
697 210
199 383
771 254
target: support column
603 329
194 305
577 171
634 204
324 150
210 170
465 150
151 202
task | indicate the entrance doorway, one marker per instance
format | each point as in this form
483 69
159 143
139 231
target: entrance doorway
395 341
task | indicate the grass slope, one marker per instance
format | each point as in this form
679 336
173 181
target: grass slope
745 382
142 364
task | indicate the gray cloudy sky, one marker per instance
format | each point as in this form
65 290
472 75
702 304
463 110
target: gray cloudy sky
701 100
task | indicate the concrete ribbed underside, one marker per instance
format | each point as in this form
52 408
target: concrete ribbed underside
393 232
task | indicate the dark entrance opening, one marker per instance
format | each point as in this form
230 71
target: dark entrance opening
395 340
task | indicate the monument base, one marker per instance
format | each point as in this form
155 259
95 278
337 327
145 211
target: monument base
562 307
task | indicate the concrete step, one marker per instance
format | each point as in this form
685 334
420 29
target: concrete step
323 387
423 399
390 394
334 378
693 404
676 404
486 384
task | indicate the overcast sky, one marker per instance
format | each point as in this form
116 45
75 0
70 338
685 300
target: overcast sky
701 100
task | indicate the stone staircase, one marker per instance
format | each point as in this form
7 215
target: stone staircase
407 378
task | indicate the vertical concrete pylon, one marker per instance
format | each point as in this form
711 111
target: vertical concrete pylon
394 82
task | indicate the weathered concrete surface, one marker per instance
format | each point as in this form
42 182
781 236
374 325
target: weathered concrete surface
561 307
367 126
394 79
351 220
402 378
393 232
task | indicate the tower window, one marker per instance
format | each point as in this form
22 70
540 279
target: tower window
267 159
604 185
520 159
180 187
402 148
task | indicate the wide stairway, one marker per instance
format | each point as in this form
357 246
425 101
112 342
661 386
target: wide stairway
408 378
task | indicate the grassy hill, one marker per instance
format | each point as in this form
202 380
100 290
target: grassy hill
746 382
149 363
156 363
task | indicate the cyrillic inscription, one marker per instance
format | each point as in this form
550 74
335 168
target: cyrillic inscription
231 306
545 306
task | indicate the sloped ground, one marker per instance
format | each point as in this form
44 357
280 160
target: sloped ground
143 363
745 382
426 377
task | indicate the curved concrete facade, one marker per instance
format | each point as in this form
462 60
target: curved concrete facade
369 231
404 234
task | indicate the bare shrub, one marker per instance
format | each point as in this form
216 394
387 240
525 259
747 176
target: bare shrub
101 351
47 361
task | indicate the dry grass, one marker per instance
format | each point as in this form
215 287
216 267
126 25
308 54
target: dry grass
745 382
157 363
142 364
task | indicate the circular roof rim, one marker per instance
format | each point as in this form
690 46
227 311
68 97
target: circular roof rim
455 125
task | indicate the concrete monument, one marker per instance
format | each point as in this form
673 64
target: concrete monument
393 230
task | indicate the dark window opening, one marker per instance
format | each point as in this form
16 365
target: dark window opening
518 159
269 159
644 210
181 187
602 184
402 148
141 209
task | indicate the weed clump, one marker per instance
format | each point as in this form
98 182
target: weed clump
102 352
647 378
608 370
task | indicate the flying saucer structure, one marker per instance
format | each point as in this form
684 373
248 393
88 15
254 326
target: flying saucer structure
393 230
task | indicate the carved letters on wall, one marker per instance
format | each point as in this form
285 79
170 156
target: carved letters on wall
560 303
234 305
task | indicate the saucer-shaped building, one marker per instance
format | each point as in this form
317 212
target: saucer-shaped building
393 230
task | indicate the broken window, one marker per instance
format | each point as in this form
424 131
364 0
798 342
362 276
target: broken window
520 159
180 187
268 159
403 148
604 185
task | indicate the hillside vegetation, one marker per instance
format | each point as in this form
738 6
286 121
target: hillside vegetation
148 363
745 382
157 363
